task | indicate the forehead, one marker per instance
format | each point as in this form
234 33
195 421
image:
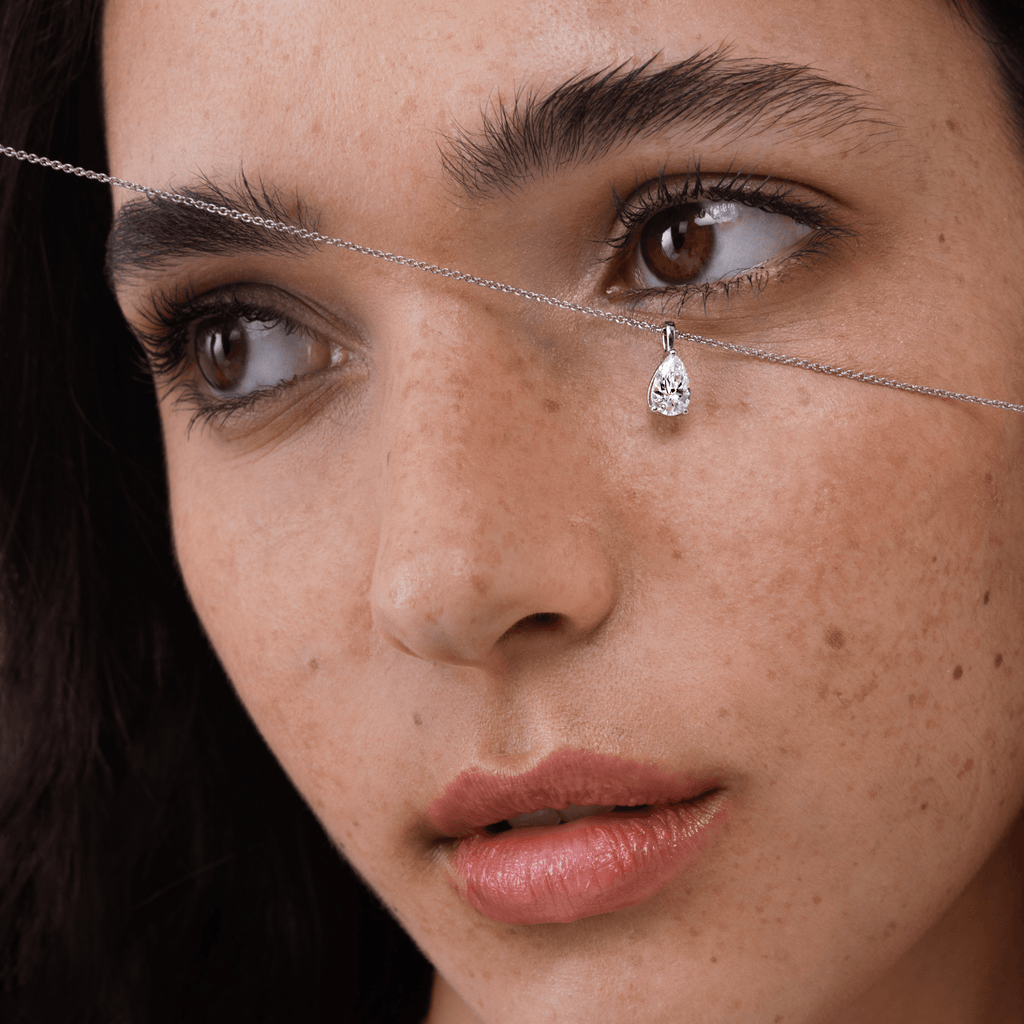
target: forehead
363 88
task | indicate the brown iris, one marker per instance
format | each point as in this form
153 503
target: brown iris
221 351
675 249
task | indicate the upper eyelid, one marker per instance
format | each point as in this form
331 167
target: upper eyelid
162 307
817 210
164 311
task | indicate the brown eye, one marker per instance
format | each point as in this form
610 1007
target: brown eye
702 243
239 356
673 247
221 351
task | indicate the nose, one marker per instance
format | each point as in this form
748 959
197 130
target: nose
489 534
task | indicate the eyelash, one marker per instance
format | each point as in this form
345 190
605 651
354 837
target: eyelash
168 336
168 342
746 189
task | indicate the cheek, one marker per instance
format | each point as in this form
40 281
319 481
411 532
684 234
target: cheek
835 581
277 562
867 623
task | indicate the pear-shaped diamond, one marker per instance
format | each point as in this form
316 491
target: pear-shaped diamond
669 392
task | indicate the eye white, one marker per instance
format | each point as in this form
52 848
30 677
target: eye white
744 237
244 356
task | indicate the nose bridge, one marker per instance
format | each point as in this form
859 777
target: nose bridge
480 528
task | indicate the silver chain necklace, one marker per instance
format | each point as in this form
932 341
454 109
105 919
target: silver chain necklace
669 391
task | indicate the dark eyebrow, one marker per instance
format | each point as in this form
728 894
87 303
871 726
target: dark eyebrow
151 231
708 94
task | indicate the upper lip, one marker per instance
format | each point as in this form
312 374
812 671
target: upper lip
477 798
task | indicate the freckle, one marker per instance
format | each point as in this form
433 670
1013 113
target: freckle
952 125
714 959
823 691
677 555
942 237
834 638
723 712
312 664
417 718
551 406
958 672
815 899
999 660
924 807
984 600
968 765
778 1017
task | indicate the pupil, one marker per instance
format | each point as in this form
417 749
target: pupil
222 352
674 248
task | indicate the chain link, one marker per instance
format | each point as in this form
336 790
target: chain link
457 275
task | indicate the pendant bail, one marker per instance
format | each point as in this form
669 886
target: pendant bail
668 336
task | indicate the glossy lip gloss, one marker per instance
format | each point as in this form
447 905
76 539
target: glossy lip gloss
594 865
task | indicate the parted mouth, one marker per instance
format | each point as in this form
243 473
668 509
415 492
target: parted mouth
565 787
555 816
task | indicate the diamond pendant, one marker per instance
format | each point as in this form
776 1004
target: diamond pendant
669 393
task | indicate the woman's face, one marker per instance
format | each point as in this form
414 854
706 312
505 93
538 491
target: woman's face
437 537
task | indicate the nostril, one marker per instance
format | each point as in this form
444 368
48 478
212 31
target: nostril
541 622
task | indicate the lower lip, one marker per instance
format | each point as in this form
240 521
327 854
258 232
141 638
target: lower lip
590 866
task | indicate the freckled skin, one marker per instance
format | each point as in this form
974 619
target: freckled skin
487 549
835 638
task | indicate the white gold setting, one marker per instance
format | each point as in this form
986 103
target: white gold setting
669 393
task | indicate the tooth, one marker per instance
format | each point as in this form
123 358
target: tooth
546 816
574 811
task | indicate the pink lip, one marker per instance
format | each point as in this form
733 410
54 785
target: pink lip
590 866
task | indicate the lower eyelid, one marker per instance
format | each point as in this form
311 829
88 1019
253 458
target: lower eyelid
294 402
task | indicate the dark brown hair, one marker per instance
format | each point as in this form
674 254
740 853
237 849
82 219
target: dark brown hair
155 863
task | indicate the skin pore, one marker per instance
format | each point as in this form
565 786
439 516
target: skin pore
458 539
